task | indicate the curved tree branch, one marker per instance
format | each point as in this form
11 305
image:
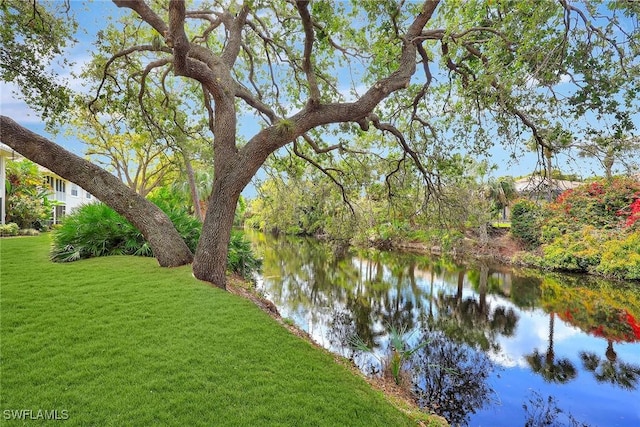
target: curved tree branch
309 36
122 53
168 247
326 172
234 41
146 13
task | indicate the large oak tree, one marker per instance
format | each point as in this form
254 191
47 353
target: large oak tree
433 76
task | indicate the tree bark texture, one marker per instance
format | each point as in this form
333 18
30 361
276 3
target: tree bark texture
168 246
210 261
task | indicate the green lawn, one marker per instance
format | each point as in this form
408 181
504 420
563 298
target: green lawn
120 341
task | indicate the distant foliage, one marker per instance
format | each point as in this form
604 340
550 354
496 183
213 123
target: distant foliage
634 215
310 207
381 212
621 258
97 230
27 202
576 250
606 204
525 222
594 228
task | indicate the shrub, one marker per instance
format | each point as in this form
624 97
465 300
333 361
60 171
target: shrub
27 202
575 251
97 230
525 222
527 259
10 229
593 228
241 258
605 205
621 258
634 216
28 232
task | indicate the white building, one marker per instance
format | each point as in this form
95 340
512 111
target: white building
537 187
69 196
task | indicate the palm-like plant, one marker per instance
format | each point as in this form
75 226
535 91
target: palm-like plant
241 258
399 352
95 230
500 192
557 371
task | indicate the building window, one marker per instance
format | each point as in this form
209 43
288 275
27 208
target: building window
88 195
74 190
60 186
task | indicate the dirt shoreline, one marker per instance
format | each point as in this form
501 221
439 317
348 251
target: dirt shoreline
500 248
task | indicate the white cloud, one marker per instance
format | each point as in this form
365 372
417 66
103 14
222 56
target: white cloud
532 334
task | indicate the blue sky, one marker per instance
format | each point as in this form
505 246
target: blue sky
92 17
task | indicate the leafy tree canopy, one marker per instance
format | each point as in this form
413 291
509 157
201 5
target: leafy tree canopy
33 36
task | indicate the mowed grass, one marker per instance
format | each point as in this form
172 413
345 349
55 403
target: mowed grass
120 341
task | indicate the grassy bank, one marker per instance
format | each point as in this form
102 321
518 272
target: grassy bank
120 341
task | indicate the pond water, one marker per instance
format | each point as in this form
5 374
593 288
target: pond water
493 346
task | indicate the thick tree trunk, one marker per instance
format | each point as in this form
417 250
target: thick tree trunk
168 247
210 261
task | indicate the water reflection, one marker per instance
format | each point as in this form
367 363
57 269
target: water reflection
611 370
551 369
542 412
450 378
496 336
472 320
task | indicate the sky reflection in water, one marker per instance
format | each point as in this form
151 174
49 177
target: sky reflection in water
505 348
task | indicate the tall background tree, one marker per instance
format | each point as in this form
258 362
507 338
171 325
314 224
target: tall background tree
428 79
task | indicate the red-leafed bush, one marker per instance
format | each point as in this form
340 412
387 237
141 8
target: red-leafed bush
607 204
595 228
634 216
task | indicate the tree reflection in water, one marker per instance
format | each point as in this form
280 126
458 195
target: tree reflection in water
450 379
473 321
552 370
610 369
468 316
546 413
